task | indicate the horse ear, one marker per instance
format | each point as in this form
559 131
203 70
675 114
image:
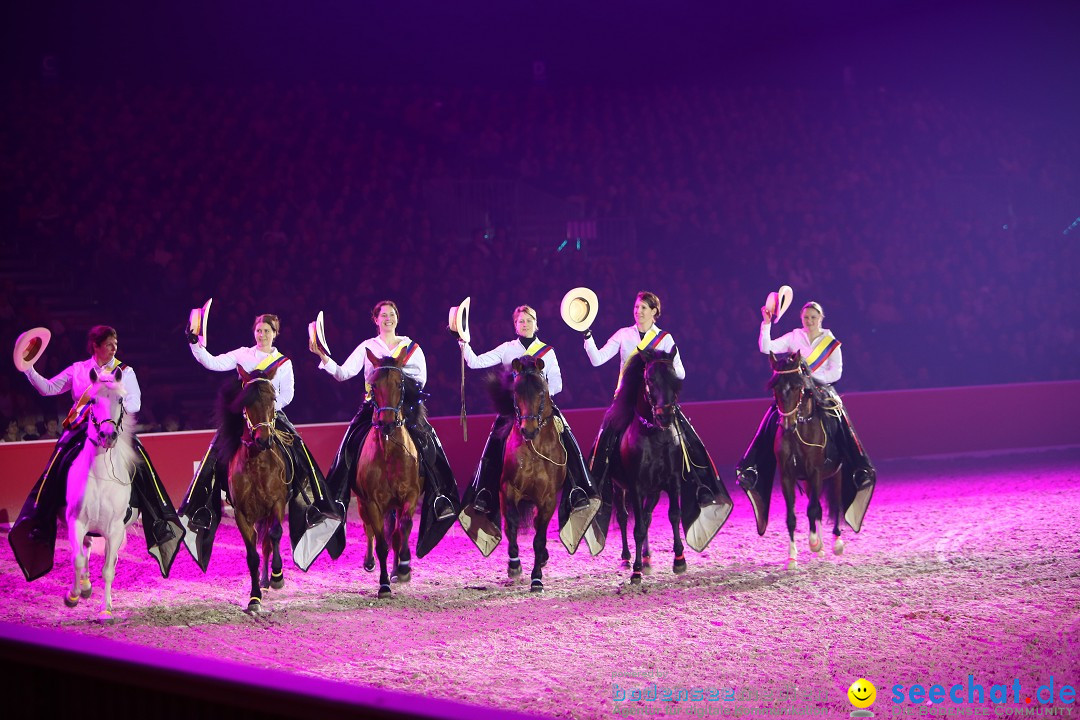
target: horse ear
244 375
116 375
539 363
93 375
516 365
273 371
371 357
798 357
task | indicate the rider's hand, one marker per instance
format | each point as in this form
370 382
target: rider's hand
766 316
192 338
314 347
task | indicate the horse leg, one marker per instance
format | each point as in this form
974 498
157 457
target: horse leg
277 574
679 566
646 554
247 531
622 514
540 553
402 558
382 549
813 512
641 533
80 558
835 502
788 488
510 525
113 538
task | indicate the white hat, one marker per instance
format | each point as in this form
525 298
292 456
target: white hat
459 319
317 333
197 321
579 308
778 302
29 347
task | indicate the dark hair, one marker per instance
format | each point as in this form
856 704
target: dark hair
98 335
272 320
650 299
379 306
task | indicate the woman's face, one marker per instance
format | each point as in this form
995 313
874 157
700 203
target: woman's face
644 316
524 325
106 351
386 320
811 320
264 336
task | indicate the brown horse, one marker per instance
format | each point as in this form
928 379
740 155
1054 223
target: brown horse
803 452
388 484
258 485
534 464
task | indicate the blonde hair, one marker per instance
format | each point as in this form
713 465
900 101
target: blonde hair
526 309
816 306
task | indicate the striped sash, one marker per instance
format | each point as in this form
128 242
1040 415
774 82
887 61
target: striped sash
271 362
404 350
821 353
538 349
651 341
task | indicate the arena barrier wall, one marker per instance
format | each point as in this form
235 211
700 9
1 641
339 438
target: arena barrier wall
893 424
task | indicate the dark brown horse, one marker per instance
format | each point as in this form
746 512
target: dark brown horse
803 452
258 483
388 484
650 458
534 464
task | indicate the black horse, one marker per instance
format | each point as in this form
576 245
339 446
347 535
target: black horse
653 457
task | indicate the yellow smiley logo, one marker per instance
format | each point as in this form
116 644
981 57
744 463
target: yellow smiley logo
862 693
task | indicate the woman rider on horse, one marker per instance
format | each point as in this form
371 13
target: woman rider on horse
701 487
825 363
309 501
481 501
441 502
33 536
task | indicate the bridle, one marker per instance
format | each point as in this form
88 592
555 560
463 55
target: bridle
399 416
805 397
658 410
250 439
118 427
539 417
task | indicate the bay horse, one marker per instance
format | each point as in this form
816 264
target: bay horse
258 481
803 452
650 454
534 463
388 484
99 487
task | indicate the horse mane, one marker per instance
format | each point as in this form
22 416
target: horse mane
624 407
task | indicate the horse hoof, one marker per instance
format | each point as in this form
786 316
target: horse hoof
536 586
838 547
626 563
815 543
369 564
792 564
384 592
679 567
402 577
513 570
277 583
254 606
635 578
646 560
71 600
105 617
646 569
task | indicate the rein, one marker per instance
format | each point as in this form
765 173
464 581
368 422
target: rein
270 424
541 421
801 419
399 416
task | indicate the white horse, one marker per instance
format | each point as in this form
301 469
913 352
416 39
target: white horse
99 487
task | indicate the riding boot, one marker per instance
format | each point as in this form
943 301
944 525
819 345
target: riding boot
33 536
161 525
313 517
705 503
339 480
580 501
757 468
480 516
604 455
442 502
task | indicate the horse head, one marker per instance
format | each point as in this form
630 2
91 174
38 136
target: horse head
106 414
661 387
388 392
790 388
256 404
531 396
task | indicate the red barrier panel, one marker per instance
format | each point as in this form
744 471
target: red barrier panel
891 424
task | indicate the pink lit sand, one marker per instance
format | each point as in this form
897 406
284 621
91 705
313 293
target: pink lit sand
965 566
